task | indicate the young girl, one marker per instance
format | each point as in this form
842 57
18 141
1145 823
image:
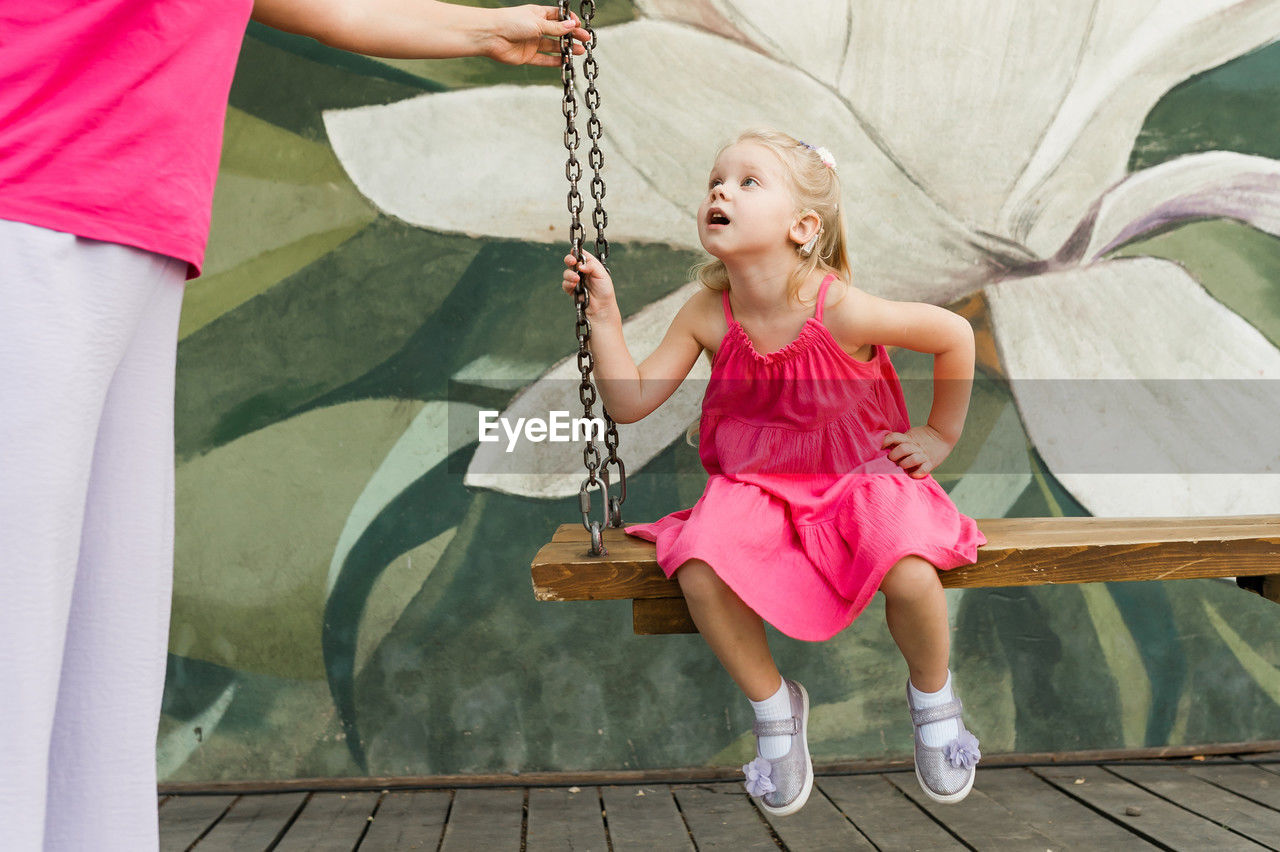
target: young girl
819 490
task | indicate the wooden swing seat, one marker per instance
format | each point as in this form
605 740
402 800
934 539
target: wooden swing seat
1019 552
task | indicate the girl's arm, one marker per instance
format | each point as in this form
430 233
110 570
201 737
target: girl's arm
425 29
924 328
631 392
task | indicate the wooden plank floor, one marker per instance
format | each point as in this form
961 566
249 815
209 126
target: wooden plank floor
1217 803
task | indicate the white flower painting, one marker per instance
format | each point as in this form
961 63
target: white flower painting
983 147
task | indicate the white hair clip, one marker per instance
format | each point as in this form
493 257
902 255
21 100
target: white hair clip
828 159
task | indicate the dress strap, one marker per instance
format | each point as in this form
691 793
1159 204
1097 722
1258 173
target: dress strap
728 314
822 295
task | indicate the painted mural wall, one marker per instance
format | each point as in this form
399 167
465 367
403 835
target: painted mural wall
1095 185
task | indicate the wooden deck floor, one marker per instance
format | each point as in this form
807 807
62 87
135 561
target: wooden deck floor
1213 804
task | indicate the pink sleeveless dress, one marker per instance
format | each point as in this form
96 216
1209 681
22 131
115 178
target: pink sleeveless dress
803 512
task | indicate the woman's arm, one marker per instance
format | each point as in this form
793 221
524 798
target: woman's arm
425 29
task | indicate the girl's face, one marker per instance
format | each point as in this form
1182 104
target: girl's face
748 208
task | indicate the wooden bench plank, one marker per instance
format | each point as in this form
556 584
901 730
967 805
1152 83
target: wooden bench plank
330 822
253 822
657 616
721 816
1019 552
1257 822
888 818
560 818
564 570
981 822
1267 585
1141 811
818 826
484 819
188 817
408 819
1042 806
642 819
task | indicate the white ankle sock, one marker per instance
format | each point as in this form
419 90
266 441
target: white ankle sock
776 706
935 733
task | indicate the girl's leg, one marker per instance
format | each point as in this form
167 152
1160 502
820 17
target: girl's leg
732 629
916 612
736 635
102 760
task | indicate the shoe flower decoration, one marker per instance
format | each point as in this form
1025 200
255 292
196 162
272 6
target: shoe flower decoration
962 752
1013 180
758 781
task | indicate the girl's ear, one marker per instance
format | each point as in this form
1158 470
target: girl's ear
804 227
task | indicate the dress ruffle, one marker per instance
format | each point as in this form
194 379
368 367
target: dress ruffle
812 580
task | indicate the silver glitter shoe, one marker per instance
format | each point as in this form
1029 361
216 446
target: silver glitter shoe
946 772
782 785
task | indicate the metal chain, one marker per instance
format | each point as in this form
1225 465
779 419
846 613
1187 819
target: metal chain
596 476
600 219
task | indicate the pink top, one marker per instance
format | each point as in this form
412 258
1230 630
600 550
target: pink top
111 116
803 512
802 417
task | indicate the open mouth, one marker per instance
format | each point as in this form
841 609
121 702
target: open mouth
716 216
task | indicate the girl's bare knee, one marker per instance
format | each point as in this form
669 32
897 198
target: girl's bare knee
911 576
699 580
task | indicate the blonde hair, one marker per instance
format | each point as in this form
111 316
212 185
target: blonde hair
815 187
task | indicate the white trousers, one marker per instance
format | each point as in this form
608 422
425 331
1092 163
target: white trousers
88 339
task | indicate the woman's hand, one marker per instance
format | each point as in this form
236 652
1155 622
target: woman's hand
428 29
599 283
918 451
530 35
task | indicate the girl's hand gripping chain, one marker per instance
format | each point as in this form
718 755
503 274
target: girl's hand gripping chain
599 284
918 451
